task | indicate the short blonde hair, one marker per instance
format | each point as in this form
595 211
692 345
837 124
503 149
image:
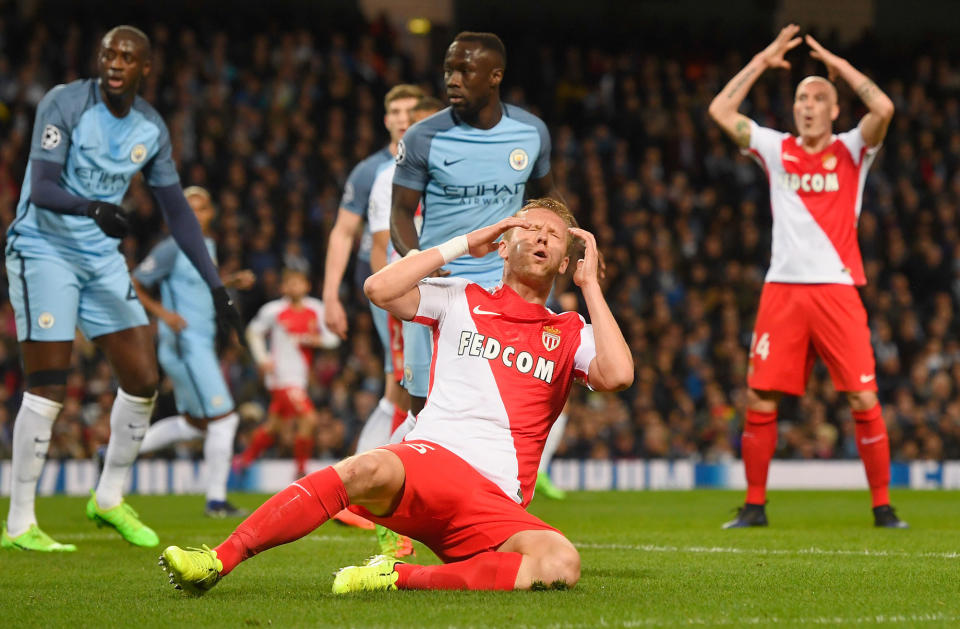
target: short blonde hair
198 191
404 90
557 207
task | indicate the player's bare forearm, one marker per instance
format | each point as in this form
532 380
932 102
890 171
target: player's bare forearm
724 107
612 368
874 125
339 245
403 207
151 305
394 287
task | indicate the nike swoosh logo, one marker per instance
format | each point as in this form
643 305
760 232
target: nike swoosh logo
39 440
477 310
790 158
868 440
865 378
87 148
451 162
136 427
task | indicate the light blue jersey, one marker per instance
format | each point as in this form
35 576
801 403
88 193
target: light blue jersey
356 193
64 271
100 154
189 357
469 178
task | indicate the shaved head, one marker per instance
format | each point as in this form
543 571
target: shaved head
131 32
813 78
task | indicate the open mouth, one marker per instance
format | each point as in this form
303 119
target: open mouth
455 99
540 254
114 82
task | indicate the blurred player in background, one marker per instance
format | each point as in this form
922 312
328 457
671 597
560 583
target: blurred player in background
294 324
187 352
65 271
461 480
810 303
393 406
472 164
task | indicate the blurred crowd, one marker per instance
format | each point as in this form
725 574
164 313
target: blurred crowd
272 122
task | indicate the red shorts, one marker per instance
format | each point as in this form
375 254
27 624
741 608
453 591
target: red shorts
450 507
395 332
290 402
795 323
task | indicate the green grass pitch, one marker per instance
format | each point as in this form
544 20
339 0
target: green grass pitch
650 559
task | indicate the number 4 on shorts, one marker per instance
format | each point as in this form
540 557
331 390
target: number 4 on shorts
761 346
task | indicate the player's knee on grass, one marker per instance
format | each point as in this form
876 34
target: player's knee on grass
372 478
558 569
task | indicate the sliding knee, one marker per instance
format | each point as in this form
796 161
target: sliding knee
561 566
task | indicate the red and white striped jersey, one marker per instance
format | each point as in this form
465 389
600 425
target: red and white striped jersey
815 199
286 324
501 372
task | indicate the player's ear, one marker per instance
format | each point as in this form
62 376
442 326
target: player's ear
502 246
496 77
563 265
834 111
147 66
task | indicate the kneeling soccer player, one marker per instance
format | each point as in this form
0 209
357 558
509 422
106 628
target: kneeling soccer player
461 480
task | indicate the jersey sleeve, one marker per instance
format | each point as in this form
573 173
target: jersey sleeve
857 145
264 319
413 154
765 145
437 294
586 352
356 192
51 129
158 264
541 167
161 171
378 208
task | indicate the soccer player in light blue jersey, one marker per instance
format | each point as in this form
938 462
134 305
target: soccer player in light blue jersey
65 271
398 104
186 348
471 164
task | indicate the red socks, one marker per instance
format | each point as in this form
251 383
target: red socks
302 449
260 441
874 448
397 419
287 516
757 446
486 571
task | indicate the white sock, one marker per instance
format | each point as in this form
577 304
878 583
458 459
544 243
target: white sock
168 431
129 420
404 428
217 452
31 438
376 431
554 437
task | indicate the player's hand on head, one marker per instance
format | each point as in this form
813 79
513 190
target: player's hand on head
588 267
335 317
823 55
110 217
484 240
228 317
786 41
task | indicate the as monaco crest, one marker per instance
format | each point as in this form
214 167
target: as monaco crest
550 337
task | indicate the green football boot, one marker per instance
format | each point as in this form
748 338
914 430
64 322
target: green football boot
34 539
125 520
546 487
193 570
393 544
377 575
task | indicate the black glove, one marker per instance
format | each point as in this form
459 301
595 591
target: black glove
110 218
228 317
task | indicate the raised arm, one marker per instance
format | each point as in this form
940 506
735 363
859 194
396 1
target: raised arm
394 288
874 124
724 107
612 368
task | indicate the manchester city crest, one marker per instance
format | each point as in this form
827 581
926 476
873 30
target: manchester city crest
138 154
518 159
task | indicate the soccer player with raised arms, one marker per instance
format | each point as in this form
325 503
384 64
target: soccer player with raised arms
809 303
461 480
65 271
472 165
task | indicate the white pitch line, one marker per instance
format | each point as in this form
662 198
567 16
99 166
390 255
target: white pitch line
877 619
655 548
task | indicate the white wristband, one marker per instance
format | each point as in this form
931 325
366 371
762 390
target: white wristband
411 252
454 248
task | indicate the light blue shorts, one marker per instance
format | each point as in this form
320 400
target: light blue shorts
198 385
418 340
52 297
